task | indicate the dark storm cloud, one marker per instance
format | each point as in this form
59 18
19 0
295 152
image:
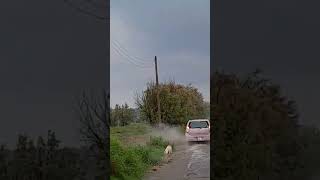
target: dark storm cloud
49 52
280 37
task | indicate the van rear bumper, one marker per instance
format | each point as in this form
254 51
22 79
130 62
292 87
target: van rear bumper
197 137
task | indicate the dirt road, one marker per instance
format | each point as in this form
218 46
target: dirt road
189 162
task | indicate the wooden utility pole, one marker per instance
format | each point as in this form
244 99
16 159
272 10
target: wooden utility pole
158 90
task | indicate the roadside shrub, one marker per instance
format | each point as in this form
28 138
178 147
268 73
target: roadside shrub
134 165
158 141
125 161
155 155
131 162
144 153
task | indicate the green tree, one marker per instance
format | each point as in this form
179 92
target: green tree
178 103
207 109
255 129
127 114
116 115
122 115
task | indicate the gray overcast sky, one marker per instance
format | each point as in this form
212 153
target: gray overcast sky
177 32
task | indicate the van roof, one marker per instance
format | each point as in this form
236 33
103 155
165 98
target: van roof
198 120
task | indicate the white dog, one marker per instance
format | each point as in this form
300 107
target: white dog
167 153
168 150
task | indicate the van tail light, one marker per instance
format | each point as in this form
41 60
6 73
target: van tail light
187 129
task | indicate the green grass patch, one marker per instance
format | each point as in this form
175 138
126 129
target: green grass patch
132 134
132 129
158 142
132 162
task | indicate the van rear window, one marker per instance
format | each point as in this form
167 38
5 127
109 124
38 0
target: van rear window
198 124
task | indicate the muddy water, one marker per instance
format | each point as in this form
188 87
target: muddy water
189 162
199 163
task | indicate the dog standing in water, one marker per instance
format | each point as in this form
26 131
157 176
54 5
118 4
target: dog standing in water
167 153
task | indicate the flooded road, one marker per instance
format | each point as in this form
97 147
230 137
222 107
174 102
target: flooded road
189 162
199 163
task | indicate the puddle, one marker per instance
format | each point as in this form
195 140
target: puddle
199 163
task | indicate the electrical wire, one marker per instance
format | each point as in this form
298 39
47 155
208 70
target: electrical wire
125 51
142 60
128 58
116 46
131 62
87 12
96 4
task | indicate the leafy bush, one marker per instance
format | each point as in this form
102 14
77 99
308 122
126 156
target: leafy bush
125 161
178 103
131 162
158 141
255 129
150 155
155 155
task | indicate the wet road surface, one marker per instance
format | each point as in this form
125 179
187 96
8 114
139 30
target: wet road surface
189 162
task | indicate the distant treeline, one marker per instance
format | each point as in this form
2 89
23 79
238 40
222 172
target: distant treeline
43 160
122 115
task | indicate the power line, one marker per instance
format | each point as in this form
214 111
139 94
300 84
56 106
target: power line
96 4
120 46
84 11
117 47
131 62
128 58
124 50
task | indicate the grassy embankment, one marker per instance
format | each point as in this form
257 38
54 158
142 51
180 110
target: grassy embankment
133 151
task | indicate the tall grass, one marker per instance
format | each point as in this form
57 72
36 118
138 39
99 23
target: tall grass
157 142
131 162
130 130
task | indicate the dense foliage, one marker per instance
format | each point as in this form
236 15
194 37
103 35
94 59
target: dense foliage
43 160
131 162
256 133
178 103
122 115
